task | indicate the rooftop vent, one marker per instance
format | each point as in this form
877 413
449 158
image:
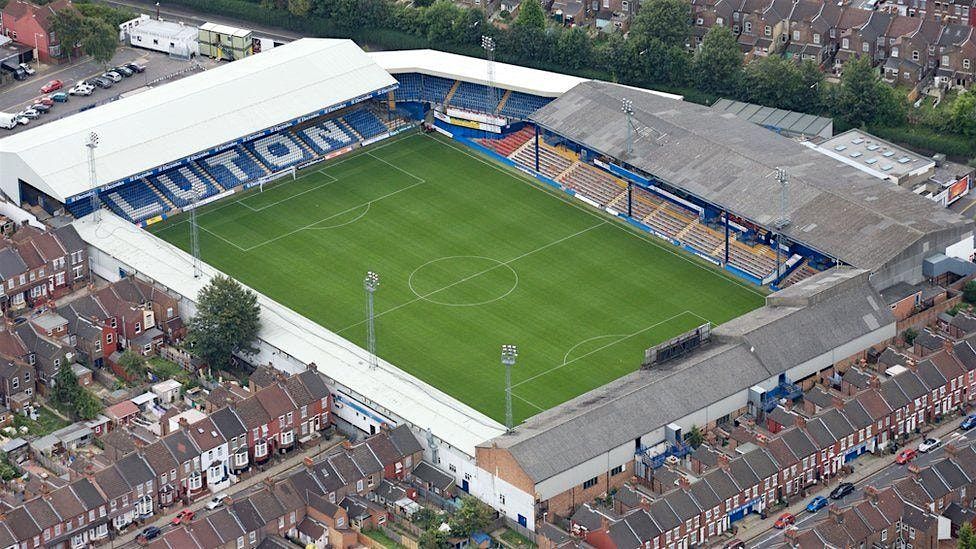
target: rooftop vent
855 154
888 154
873 147
904 160
857 140
840 147
871 161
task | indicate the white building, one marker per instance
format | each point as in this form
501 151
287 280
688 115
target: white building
176 39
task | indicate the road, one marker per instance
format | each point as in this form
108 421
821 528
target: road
158 66
885 477
181 13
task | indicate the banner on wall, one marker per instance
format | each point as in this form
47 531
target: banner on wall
958 189
473 124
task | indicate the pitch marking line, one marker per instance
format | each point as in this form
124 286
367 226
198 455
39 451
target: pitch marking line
206 230
598 216
530 403
350 222
395 167
477 274
243 201
587 340
473 304
602 347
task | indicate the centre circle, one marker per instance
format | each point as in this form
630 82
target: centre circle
463 280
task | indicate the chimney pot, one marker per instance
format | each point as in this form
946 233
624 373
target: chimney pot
837 514
308 462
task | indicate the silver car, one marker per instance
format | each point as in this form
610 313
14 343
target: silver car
113 76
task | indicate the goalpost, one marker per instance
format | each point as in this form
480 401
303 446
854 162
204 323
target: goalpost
293 170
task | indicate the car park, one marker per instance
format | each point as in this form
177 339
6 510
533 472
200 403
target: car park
843 489
82 88
216 501
817 504
784 520
41 108
59 97
136 67
906 455
150 533
184 516
929 444
52 86
30 113
968 423
113 76
27 69
123 70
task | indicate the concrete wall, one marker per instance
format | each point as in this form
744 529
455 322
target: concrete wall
907 266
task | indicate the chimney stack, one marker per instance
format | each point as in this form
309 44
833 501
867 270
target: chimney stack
312 367
915 472
836 513
644 503
683 482
872 493
800 421
951 450
308 462
837 402
723 461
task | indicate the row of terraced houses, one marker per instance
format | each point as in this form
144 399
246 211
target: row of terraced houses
196 460
909 41
809 446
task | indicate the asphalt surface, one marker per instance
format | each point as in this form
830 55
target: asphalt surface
887 476
159 68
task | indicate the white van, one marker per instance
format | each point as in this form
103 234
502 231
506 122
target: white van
8 121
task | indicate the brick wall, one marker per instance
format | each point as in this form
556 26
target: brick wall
563 504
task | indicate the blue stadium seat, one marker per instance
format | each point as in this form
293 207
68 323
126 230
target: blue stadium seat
278 150
134 201
326 136
365 123
409 89
476 97
79 208
434 88
521 105
183 185
232 167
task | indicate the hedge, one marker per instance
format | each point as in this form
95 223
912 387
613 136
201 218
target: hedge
928 140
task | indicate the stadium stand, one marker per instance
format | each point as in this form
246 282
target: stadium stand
325 137
594 184
182 185
521 105
232 167
474 97
278 151
409 90
365 123
507 145
135 201
803 271
435 89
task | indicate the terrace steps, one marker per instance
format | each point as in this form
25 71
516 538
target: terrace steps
257 160
562 175
501 104
617 199
209 178
451 92
160 194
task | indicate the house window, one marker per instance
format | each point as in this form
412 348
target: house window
23 279
59 279
240 542
108 338
845 43
98 345
291 418
27 377
865 47
304 411
617 470
590 483
261 449
288 437
15 383
767 30
10 284
966 63
195 481
816 38
57 363
915 55
240 459
78 271
138 328
945 59
796 35
36 291
252 537
30 276
40 272
747 26
359 485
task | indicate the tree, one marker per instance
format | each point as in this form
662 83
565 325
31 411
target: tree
299 8
133 365
100 40
909 335
66 388
70 27
434 539
718 62
87 406
963 114
967 539
531 15
811 97
666 20
863 99
573 48
472 516
969 292
426 518
695 437
227 321
773 81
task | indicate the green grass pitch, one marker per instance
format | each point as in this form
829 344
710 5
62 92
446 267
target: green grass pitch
471 255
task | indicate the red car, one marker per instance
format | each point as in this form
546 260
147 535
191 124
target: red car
185 516
906 455
52 86
46 101
784 520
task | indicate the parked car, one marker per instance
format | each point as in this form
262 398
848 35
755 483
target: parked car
843 489
41 108
27 69
52 86
817 504
124 71
784 520
968 423
82 88
23 120
186 515
929 444
101 82
45 101
59 97
30 113
136 67
20 74
216 501
150 533
906 455
734 544
113 76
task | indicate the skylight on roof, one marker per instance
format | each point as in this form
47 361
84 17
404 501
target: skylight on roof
886 167
888 154
855 154
857 140
871 161
873 147
840 147
904 160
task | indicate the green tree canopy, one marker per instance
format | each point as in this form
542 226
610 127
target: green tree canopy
433 539
963 113
299 8
100 40
531 15
69 27
668 21
695 437
133 365
773 81
227 320
472 516
718 62
66 386
574 49
863 99
967 539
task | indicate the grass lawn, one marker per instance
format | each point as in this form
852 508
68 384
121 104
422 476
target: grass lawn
514 539
471 256
47 422
381 537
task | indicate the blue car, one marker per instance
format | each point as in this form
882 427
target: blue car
968 423
817 504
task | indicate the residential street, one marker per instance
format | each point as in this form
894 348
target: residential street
879 472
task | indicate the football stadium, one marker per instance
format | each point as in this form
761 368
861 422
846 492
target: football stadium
606 231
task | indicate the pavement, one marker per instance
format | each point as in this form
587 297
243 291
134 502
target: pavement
159 68
869 470
964 206
292 461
